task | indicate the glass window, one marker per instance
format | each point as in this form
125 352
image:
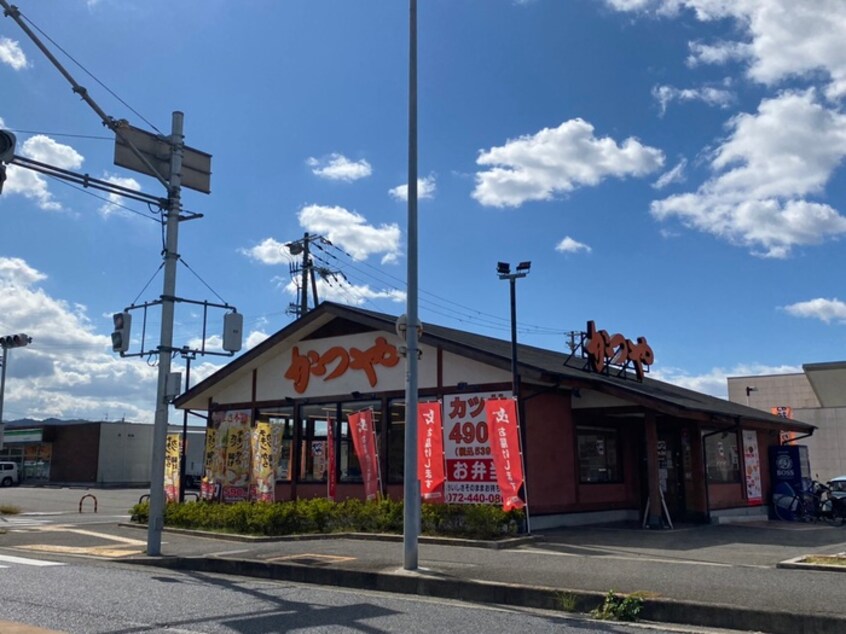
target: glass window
314 420
350 466
599 454
723 464
282 421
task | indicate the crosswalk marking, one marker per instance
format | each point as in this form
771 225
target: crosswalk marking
9 559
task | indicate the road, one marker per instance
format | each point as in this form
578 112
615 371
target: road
88 596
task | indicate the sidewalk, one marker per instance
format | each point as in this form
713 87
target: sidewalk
725 576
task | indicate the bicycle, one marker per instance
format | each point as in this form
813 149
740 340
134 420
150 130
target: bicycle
812 504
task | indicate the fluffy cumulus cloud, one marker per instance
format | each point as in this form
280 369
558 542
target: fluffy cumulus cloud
569 245
11 54
556 161
715 381
350 231
764 171
68 371
425 189
711 96
338 167
33 185
115 204
781 39
269 251
826 310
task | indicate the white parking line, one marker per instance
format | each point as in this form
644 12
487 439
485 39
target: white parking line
29 562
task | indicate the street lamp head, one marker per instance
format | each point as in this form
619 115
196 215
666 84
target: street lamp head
524 267
503 268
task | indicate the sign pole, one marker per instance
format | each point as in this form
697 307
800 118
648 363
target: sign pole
156 514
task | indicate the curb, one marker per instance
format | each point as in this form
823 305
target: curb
798 563
511 542
475 591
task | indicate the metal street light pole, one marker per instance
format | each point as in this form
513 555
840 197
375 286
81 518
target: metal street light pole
503 269
411 486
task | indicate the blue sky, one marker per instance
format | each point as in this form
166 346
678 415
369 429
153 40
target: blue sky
672 168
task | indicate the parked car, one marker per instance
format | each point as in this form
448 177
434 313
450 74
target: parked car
838 487
9 474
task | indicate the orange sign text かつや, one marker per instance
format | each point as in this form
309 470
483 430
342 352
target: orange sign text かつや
604 349
337 360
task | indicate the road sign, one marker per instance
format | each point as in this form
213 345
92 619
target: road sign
196 165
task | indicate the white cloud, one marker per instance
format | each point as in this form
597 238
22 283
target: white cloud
715 382
339 289
11 54
770 162
338 167
115 201
675 175
350 232
719 97
782 38
68 371
826 310
425 189
255 338
33 185
555 161
269 251
568 245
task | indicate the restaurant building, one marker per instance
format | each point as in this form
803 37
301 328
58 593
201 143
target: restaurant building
603 442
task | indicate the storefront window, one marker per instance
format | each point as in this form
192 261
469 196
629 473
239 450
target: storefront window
283 423
313 451
599 454
350 466
723 459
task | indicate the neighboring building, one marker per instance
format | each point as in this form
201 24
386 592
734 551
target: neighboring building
812 396
89 453
600 445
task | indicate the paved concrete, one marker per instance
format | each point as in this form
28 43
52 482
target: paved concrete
740 576
726 576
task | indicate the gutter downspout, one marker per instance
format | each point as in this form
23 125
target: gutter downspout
734 427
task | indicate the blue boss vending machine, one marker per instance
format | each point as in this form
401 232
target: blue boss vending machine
790 474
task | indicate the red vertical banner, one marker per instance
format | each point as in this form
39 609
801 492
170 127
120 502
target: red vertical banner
364 440
331 473
504 439
430 452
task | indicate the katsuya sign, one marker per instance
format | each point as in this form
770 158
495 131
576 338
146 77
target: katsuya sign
606 351
337 361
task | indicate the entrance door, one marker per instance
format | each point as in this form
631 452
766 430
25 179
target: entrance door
670 472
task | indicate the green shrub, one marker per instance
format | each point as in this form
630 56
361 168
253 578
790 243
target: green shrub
320 515
619 608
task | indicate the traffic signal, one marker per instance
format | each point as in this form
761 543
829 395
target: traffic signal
7 146
7 153
120 336
15 341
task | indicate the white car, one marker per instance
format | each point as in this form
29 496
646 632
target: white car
9 474
838 487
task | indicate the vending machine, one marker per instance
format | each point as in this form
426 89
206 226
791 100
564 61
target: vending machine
790 473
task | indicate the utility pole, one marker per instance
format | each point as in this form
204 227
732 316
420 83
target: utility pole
304 286
156 515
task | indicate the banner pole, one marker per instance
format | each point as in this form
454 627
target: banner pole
523 465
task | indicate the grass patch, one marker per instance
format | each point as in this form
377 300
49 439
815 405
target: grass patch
828 560
8 509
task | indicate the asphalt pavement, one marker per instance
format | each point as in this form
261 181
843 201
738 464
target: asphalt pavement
734 576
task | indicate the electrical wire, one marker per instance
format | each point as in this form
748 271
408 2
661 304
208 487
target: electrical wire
98 197
64 134
90 74
150 281
181 259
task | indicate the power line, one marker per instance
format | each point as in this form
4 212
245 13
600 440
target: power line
107 200
90 74
64 134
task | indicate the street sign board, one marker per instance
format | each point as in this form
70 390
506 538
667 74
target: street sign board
196 165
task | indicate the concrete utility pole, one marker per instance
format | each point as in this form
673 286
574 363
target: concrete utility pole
411 485
156 514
